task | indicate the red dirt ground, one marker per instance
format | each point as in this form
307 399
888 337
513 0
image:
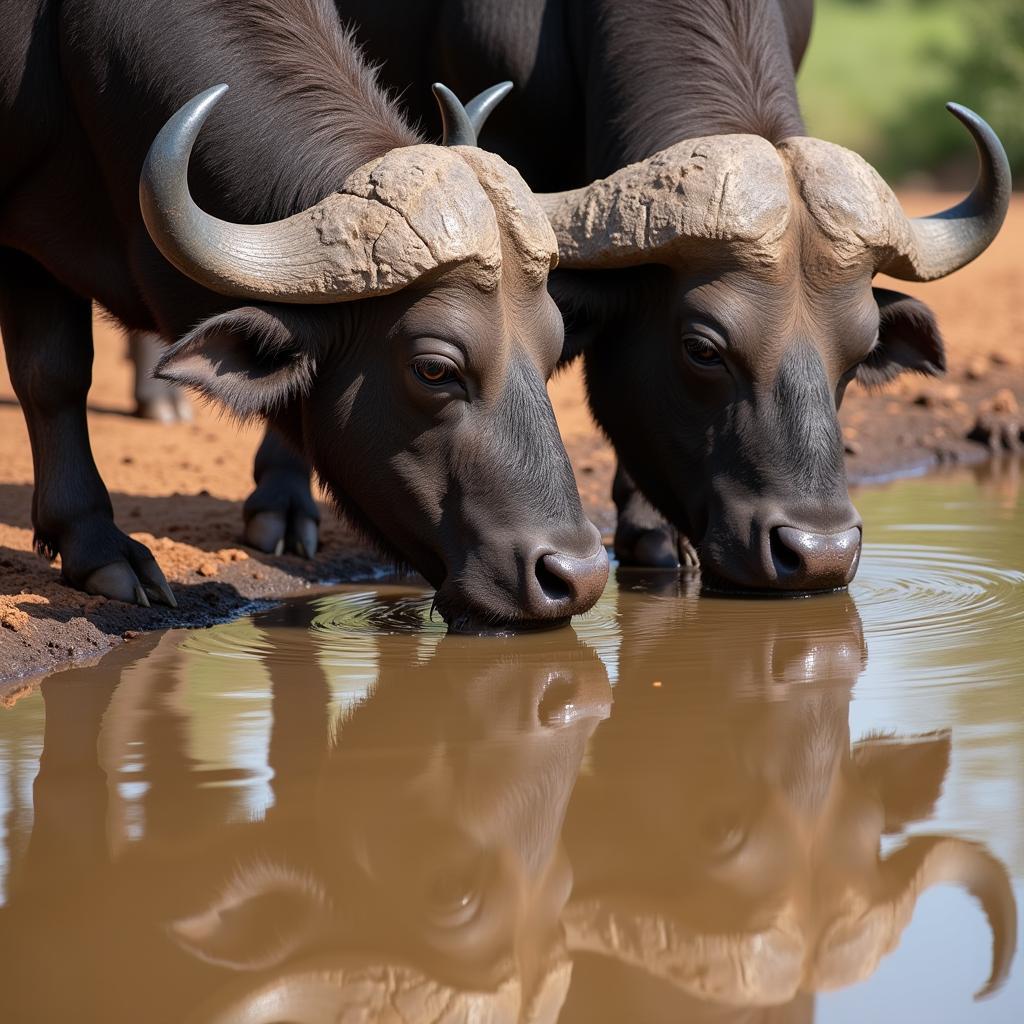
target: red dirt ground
179 489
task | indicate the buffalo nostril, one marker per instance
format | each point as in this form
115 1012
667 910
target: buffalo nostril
570 582
553 585
814 561
786 558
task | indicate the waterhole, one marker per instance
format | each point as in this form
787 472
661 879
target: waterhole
681 808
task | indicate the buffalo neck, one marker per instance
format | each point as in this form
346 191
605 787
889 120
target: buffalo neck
669 70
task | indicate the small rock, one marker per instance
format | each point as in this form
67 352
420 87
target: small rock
207 569
1005 358
977 368
935 395
131 634
13 618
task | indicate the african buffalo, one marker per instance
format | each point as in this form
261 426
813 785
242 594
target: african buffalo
379 301
717 276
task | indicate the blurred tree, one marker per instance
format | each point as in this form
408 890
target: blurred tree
879 73
989 76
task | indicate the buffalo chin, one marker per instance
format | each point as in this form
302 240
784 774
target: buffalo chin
470 624
714 585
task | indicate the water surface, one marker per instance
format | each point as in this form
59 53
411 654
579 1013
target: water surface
680 809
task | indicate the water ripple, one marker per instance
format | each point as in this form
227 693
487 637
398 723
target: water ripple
942 616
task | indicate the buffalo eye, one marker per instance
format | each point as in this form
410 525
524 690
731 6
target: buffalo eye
435 371
454 895
701 351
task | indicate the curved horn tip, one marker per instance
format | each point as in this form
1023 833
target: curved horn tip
480 107
215 90
946 241
457 128
987 139
962 113
202 104
184 126
502 89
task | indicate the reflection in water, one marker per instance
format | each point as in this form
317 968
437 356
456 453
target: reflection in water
336 813
745 868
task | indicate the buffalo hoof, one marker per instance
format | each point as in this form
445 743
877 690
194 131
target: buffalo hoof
656 548
275 533
167 408
128 571
688 556
281 515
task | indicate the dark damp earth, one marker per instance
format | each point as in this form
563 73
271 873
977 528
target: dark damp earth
681 808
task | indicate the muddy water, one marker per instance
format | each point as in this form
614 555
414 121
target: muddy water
682 809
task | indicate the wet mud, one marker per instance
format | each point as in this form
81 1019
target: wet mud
681 808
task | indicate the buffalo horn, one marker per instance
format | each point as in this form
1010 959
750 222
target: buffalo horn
463 124
940 860
943 242
386 227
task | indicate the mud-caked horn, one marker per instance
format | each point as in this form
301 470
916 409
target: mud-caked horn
724 190
396 218
762 968
934 246
732 191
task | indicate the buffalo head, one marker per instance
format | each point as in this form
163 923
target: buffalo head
737 307
423 406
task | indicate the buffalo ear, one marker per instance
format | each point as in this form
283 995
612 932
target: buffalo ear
906 772
908 339
267 913
253 359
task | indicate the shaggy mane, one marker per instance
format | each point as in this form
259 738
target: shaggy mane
304 108
724 68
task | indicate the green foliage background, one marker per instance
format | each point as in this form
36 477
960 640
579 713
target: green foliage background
879 72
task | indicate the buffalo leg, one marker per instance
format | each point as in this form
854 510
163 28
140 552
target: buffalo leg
154 399
642 536
281 515
47 332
